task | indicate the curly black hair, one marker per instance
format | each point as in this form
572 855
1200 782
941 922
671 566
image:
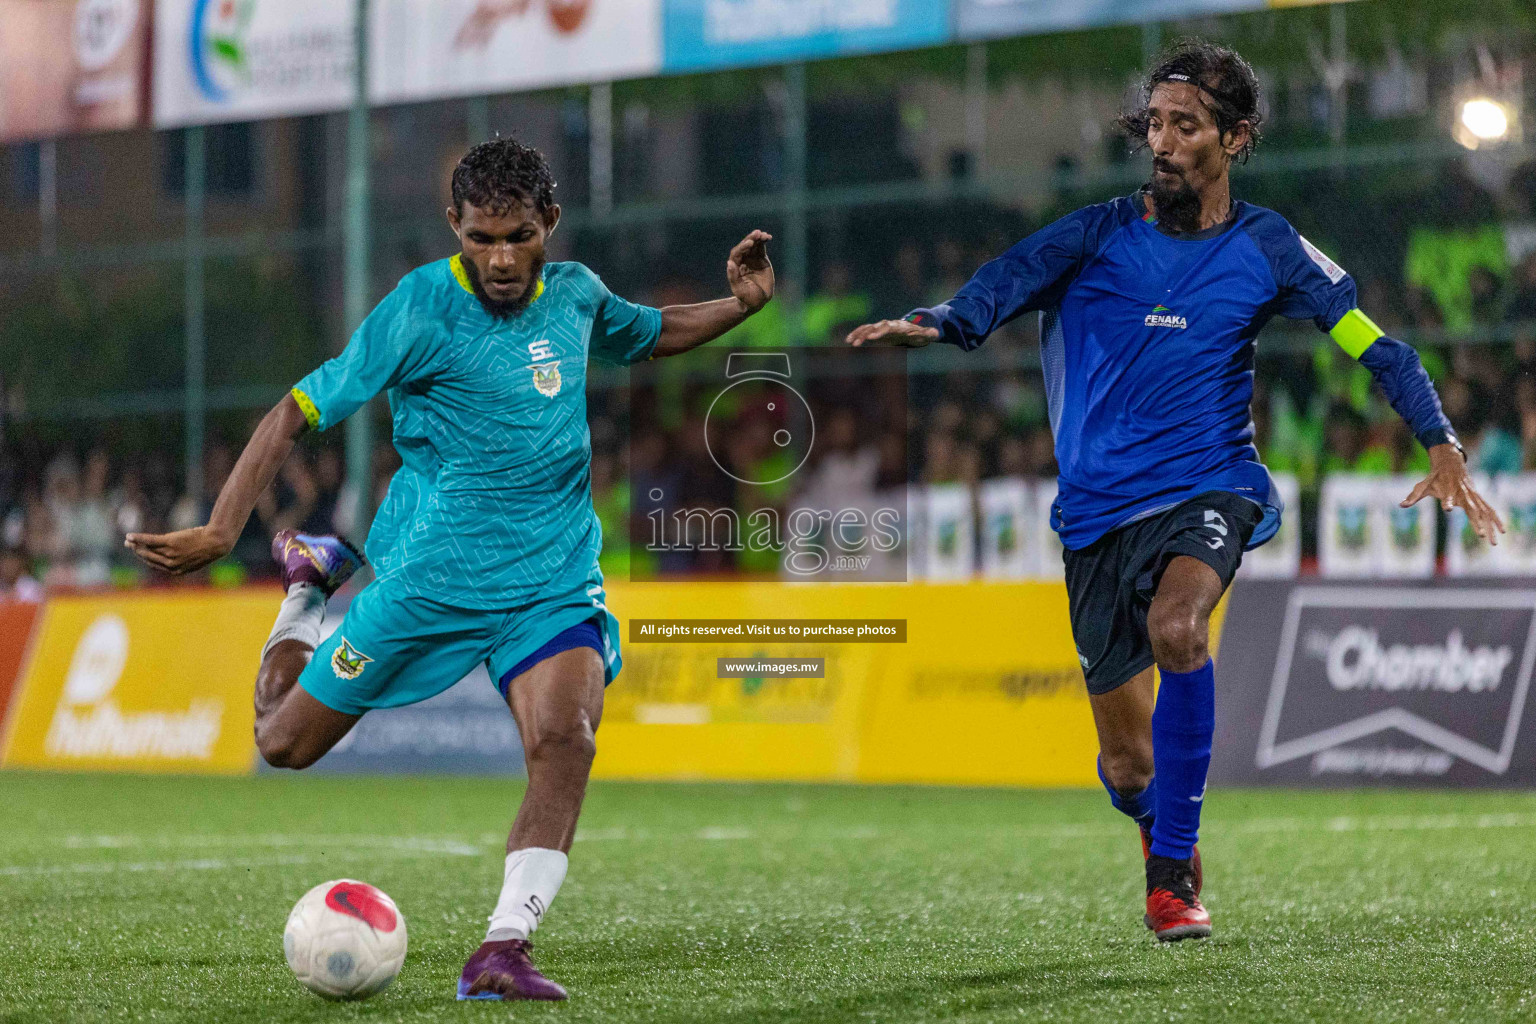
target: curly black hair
1225 79
498 174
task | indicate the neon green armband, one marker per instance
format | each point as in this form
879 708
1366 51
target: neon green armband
1354 333
307 405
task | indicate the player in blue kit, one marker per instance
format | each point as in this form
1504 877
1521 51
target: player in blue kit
486 545
1150 308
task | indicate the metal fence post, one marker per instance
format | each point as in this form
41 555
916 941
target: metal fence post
976 107
48 195
355 260
194 395
600 149
477 119
796 240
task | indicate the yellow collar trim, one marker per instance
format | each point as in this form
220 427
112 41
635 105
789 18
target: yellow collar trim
456 264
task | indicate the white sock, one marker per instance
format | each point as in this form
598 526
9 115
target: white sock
299 618
533 877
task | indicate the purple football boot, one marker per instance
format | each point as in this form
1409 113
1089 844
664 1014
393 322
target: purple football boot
502 970
327 562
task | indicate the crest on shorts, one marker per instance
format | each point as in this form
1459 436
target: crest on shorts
348 661
547 379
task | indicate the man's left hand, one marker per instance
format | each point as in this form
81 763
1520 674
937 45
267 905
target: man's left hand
750 273
1449 481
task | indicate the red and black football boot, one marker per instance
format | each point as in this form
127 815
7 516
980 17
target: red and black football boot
1146 852
1174 912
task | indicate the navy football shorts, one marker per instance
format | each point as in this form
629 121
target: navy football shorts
1110 583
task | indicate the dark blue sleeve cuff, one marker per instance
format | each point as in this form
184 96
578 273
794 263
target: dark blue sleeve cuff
949 331
1397 369
1437 435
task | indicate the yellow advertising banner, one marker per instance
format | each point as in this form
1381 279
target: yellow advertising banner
670 716
152 682
986 689
990 693
968 684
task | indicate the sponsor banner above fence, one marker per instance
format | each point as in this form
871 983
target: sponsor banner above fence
85 65
708 34
982 19
423 49
69 66
1377 684
141 682
239 60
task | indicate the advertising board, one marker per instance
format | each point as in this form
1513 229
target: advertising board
69 66
240 60
141 682
424 49
1377 684
704 34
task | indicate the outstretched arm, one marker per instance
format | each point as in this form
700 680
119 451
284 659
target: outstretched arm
1310 285
189 550
1028 276
1397 370
751 277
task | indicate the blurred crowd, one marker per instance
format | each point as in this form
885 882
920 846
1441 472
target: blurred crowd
1466 298
64 513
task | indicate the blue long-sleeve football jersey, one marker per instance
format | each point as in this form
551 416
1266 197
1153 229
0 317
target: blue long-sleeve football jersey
1147 344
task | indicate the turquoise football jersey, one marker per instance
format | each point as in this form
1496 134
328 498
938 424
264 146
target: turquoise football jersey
492 507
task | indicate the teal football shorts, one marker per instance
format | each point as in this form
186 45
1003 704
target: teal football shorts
395 648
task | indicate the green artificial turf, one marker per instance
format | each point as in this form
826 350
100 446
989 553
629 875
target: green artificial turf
164 900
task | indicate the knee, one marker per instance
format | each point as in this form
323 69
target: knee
1127 766
1179 632
282 748
568 740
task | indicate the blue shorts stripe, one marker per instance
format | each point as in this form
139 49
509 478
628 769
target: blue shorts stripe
583 634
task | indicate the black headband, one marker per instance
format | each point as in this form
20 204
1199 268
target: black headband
1215 94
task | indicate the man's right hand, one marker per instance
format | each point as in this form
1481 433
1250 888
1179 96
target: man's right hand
181 552
893 332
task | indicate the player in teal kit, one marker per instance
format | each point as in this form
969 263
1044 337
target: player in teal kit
486 546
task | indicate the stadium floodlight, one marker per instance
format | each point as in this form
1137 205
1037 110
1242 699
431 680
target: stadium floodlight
1480 121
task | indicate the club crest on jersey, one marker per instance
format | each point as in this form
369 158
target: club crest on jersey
348 661
1162 316
547 379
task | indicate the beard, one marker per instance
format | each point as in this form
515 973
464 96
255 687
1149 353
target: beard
503 309
1176 202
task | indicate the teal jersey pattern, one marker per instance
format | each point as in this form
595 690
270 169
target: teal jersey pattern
492 507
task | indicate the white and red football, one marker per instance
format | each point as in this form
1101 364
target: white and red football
345 940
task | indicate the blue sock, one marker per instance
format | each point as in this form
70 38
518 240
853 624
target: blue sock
1182 726
1139 807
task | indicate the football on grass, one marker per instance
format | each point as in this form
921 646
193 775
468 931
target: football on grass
345 940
